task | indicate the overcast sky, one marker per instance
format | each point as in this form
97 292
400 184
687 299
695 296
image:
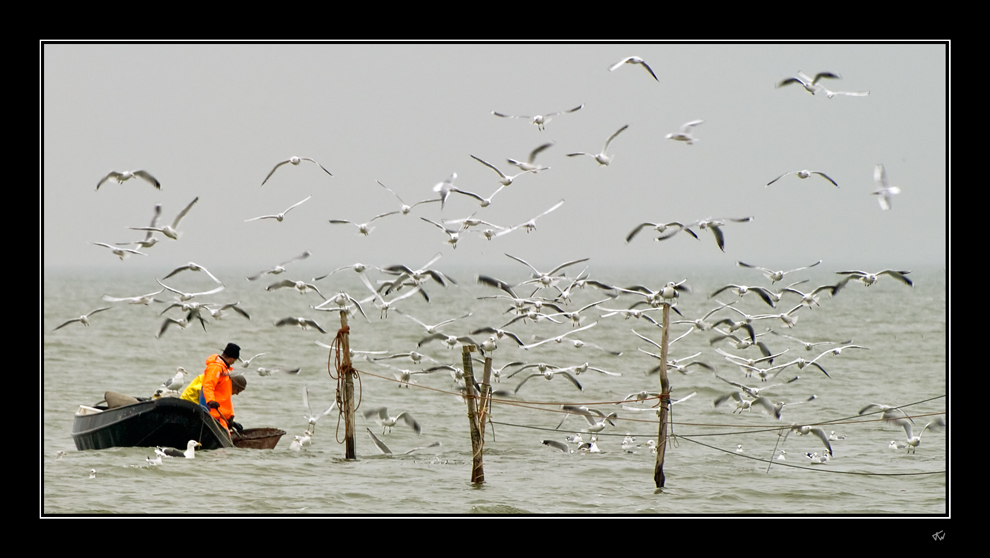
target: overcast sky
213 120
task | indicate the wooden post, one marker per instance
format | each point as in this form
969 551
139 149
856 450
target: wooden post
485 403
658 476
348 398
477 443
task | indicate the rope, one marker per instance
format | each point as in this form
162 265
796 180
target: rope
334 357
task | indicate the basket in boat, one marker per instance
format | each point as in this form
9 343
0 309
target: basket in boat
258 438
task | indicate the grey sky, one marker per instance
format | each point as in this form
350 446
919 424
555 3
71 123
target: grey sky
212 120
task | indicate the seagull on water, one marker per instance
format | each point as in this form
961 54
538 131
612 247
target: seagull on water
685 133
633 60
279 216
121 177
804 174
84 319
171 231
269 371
540 120
189 453
914 441
295 161
884 191
602 158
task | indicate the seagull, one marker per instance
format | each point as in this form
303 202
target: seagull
633 60
884 191
590 446
714 225
808 345
660 228
769 407
595 425
804 174
453 235
145 299
418 275
742 290
310 416
184 297
149 237
450 340
540 120
193 266
602 158
811 298
504 179
300 286
893 445
280 268
280 216
84 319
405 209
269 371
445 188
810 84
296 444
557 445
175 382
582 368
815 458
685 133
356 267
530 225
390 421
431 329
836 351
887 411
304 323
833 437
802 363
121 177
183 323
869 279
485 202
247 362
544 280
92 473
529 164
294 161
189 453
782 456
739 448
548 374
171 231
342 300
816 430
558 338
831 94
363 228
157 460
120 252
384 305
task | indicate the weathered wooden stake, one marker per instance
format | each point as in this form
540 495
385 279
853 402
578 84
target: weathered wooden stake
348 398
477 442
485 402
658 476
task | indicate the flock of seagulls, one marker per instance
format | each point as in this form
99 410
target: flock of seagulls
542 298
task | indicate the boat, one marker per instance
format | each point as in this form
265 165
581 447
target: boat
125 421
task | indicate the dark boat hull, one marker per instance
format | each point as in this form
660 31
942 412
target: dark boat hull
168 421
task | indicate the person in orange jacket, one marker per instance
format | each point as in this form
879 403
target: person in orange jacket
218 386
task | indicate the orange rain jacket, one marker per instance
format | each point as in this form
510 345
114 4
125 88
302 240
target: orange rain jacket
218 387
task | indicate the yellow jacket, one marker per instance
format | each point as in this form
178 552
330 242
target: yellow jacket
191 392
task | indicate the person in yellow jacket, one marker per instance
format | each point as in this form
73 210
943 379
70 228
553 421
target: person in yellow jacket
191 393
218 386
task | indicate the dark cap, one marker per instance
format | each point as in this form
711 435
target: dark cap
232 351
